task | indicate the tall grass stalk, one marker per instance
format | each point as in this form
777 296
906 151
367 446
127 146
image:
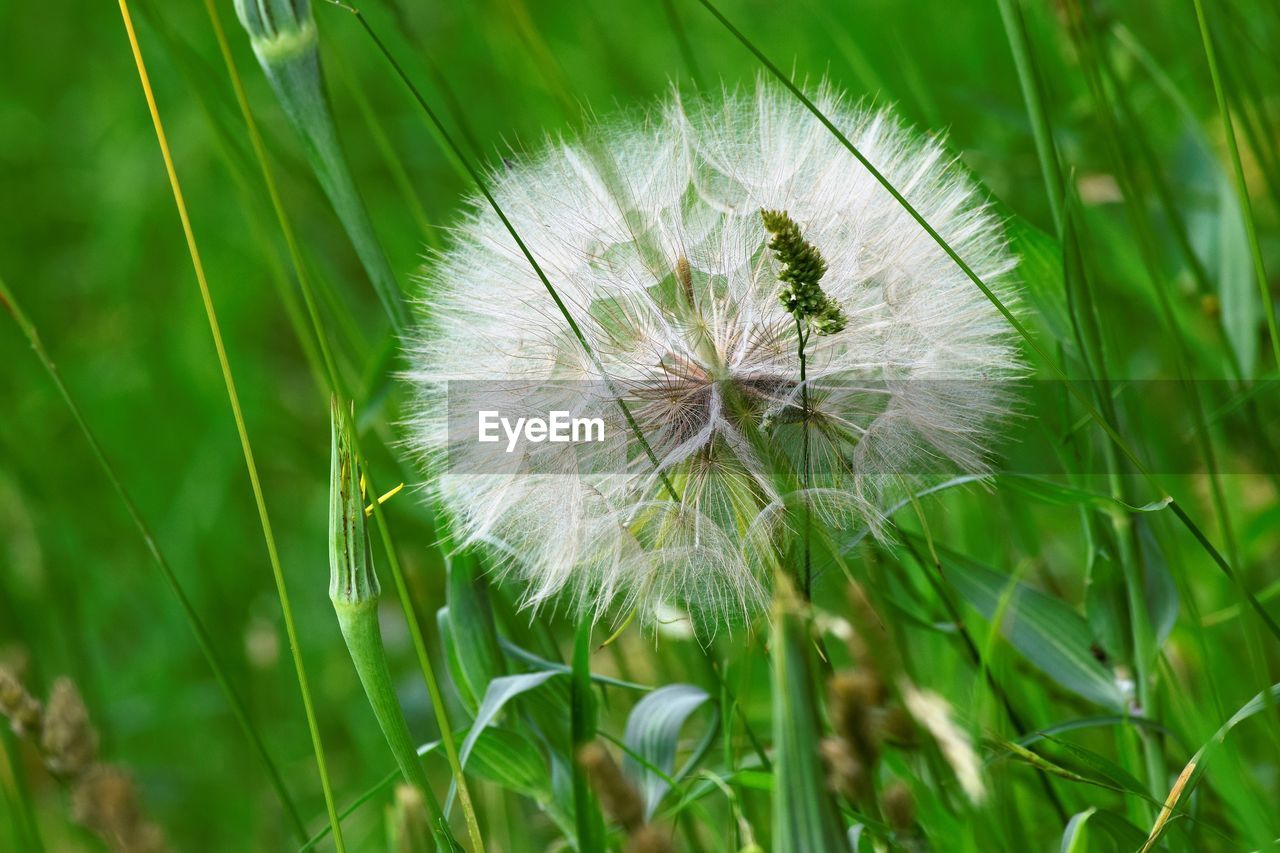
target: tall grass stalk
203 639
1242 186
1086 321
349 427
233 398
1099 71
1023 332
1032 85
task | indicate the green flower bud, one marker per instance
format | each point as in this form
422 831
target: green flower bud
284 38
352 580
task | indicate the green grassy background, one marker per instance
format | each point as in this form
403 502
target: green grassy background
90 244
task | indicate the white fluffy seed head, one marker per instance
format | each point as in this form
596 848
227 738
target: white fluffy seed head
651 234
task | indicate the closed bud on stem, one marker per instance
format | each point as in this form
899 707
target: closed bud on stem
352 580
354 590
284 38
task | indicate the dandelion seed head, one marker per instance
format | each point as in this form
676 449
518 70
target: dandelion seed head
652 234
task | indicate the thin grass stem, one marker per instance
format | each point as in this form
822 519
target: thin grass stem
1015 27
233 398
349 427
26 827
682 41
203 640
399 176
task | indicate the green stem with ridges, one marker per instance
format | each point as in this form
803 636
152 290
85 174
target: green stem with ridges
349 428
582 726
354 591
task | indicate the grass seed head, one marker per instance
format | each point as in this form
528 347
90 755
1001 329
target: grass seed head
899 806
650 839
67 738
23 710
618 797
105 800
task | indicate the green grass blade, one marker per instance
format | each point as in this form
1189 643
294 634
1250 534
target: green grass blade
805 818
1015 27
653 732
1050 634
203 639
13 779
234 400
1195 768
1242 187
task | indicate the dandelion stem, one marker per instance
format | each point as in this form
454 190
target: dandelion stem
807 577
247 449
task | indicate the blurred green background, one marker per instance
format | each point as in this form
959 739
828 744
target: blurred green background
91 245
